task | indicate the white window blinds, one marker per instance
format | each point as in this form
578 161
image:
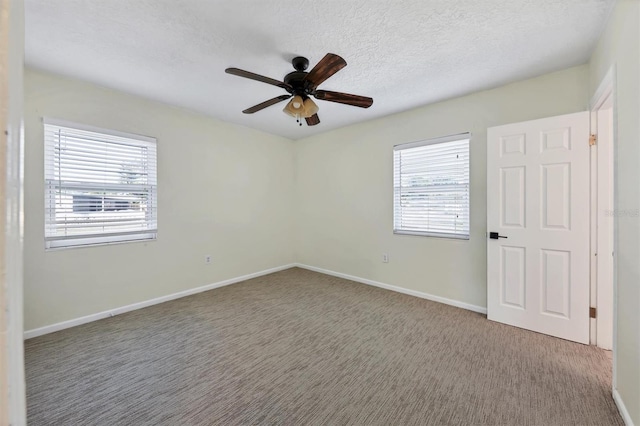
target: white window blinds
100 186
431 187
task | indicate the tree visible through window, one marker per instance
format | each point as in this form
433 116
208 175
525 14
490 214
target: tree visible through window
100 186
431 187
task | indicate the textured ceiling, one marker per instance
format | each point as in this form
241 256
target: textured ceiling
403 54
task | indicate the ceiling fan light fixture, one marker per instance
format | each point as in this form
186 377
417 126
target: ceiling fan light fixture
297 102
310 108
295 107
287 111
299 108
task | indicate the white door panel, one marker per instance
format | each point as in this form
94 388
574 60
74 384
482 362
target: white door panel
538 197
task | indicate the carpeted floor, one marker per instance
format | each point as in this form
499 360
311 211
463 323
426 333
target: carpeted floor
298 347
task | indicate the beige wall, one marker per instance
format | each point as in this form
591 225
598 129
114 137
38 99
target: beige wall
344 188
620 46
224 191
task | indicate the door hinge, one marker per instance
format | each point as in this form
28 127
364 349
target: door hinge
592 312
593 139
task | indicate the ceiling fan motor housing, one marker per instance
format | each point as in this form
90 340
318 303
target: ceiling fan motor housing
296 79
298 84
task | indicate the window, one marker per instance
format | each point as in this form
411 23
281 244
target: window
100 186
431 187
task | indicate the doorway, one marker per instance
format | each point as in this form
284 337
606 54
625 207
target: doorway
604 223
551 222
604 215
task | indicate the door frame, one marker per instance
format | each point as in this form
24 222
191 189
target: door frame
12 383
607 89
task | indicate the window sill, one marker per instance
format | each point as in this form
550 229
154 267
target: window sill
89 244
432 234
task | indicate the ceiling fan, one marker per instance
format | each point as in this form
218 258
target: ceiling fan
301 85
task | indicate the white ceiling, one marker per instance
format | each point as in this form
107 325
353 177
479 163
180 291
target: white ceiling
402 53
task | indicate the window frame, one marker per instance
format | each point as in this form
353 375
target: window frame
96 240
433 141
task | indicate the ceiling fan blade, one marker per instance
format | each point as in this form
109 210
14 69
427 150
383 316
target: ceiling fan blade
313 120
265 104
344 98
328 66
257 77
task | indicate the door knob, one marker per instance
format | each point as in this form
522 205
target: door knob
495 235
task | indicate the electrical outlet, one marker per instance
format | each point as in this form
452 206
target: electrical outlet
385 258
207 259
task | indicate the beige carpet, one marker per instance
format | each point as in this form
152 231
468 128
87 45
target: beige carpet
297 347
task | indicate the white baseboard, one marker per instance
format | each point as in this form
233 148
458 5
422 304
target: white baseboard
112 312
397 289
29 334
622 408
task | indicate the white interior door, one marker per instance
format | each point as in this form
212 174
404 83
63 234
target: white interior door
538 199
